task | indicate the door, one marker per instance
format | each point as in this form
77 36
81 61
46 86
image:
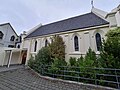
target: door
24 58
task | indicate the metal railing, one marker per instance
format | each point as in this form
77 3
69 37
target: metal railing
98 76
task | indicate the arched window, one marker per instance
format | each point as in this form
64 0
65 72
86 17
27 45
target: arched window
12 38
98 41
18 46
76 43
35 47
46 43
11 46
1 35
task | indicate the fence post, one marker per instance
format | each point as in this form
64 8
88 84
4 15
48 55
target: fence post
53 73
41 67
117 79
64 68
95 77
78 70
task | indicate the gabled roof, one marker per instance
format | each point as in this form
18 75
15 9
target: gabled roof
78 22
10 26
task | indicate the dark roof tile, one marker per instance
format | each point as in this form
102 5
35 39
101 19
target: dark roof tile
79 22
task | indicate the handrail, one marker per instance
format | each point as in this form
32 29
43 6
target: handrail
101 76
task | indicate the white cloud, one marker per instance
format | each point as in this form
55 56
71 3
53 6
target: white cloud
25 14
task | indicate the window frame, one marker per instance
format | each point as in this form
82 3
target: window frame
98 41
76 43
35 46
46 43
12 38
1 36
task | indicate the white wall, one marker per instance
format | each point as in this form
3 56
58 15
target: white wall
6 58
2 55
8 32
111 18
118 18
15 58
86 40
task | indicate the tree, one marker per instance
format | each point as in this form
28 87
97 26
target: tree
57 48
110 52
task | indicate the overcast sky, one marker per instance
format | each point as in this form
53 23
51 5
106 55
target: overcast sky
25 14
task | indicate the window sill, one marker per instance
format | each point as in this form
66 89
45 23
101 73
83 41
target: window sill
76 53
33 52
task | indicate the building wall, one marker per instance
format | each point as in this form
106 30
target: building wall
86 40
15 58
2 55
118 18
7 54
8 32
114 17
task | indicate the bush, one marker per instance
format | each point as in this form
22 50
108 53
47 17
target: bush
80 61
90 59
87 63
72 61
31 62
42 58
56 66
110 53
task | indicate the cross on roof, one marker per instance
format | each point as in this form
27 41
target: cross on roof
92 3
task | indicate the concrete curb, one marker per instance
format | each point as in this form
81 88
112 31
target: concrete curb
87 86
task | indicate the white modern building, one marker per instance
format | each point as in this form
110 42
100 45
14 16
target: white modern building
9 46
8 35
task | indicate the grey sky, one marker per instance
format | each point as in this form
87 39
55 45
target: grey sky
25 14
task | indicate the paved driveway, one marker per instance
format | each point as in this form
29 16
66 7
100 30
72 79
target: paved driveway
26 79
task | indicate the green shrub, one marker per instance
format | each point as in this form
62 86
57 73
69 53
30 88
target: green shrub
42 58
110 53
56 66
57 62
80 61
90 59
72 61
86 63
31 62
